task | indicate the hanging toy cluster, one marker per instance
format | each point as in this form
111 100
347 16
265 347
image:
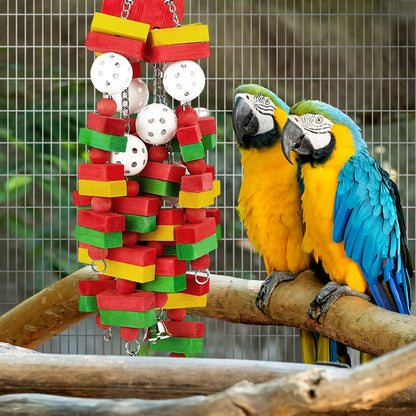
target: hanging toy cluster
142 216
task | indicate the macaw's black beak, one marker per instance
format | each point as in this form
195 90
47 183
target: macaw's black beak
245 123
293 138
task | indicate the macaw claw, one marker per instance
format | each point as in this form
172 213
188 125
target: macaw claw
268 286
327 296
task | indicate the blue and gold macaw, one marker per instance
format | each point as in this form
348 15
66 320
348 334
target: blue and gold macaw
270 199
354 222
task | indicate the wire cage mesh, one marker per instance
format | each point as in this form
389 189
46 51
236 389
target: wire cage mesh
357 55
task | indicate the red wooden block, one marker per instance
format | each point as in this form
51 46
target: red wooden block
102 43
177 355
146 12
194 288
186 329
136 205
201 263
214 213
133 188
177 314
106 107
157 153
125 286
99 324
129 334
210 169
171 53
137 301
159 246
81 200
188 135
207 125
163 171
105 124
186 117
132 125
196 183
101 204
196 167
106 222
93 287
170 216
192 233
195 215
137 70
170 266
137 255
97 253
98 155
101 172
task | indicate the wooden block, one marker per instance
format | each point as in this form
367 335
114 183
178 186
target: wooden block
126 28
102 141
216 186
172 53
188 135
136 205
108 189
125 271
207 125
135 302
215 213
157 187
193 251
193 151
137 73
170 266
170 250
197 183
138 255
88 304
106 222
210 169
162 233
163 171
185 329
183 300
101 171
128 319
179 345
175 145
140 223
193 33
170 216
193 288
197 199
94 287
81 200
105 124
166 284
209 141
98 238
102 43
193 233
145 11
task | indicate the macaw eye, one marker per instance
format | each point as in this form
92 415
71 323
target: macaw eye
267 101
319 120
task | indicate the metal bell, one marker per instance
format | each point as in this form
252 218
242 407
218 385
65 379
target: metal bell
161 332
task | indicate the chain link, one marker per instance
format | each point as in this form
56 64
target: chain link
159 93
172 9
126 9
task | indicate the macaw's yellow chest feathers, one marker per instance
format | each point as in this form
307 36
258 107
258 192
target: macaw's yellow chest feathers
269 204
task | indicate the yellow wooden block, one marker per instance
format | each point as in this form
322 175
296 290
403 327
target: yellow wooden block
122 270
113 25
216 186
182 300
194 33
108 189
162 233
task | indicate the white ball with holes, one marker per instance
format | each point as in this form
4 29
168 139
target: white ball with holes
111 73
134 158
156 124
183 80
138 96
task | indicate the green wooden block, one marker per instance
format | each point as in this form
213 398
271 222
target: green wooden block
157 186
193 251
170 250
130 319
179 345
140 223
88 304
102 141
168 284
192 151
209 141
175 145
98 238
219 232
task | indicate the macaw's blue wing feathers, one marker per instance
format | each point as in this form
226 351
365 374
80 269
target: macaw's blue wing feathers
369 220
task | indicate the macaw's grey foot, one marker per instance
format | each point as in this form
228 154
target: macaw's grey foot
268 286
327 296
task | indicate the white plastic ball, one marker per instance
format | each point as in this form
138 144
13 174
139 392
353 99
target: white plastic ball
134 158
183 80
156 124
138 96
111 73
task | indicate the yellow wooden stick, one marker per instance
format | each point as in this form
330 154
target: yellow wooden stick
178 35
162 233
108 189
183 300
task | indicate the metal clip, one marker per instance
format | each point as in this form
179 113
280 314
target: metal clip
95 269
202 271
108 334
132 352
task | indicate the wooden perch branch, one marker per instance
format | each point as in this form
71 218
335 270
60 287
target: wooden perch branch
350 320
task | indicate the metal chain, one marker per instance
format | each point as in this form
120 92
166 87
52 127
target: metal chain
159 93
172 9
126 9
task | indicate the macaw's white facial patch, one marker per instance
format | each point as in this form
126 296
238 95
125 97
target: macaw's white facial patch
318 140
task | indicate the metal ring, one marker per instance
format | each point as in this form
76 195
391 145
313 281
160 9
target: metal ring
130 352
196 276
108 334
95 269
160 314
